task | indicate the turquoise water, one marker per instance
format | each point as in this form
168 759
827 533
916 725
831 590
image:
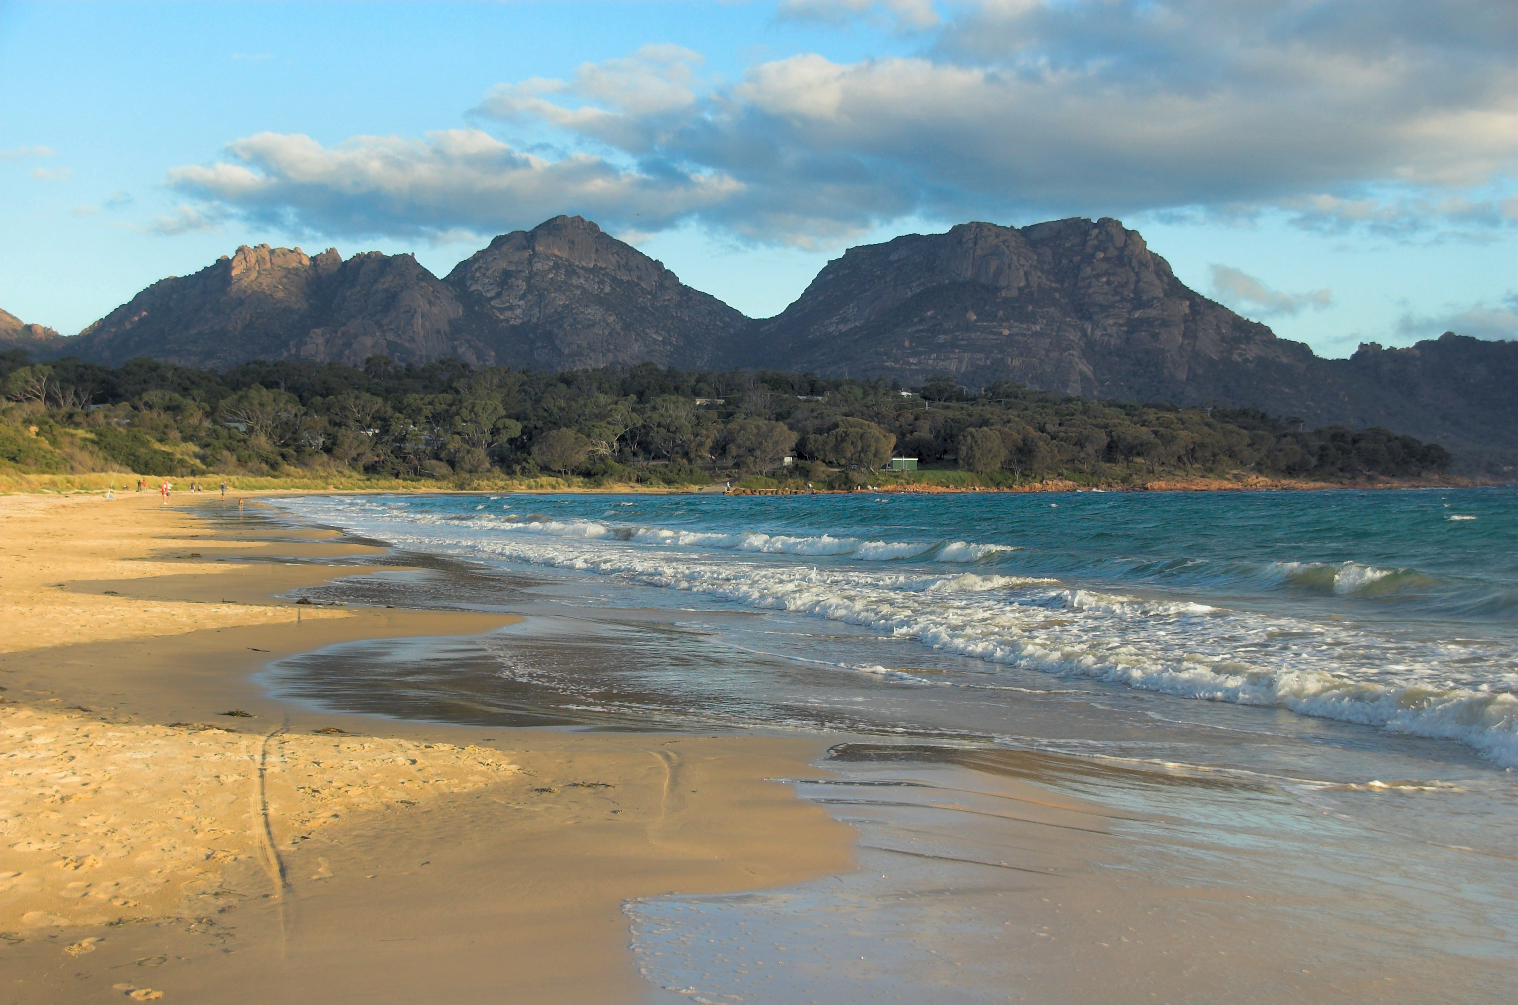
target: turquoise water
1390 610
1297 710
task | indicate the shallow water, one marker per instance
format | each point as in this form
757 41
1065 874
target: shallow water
1389 609
1321 683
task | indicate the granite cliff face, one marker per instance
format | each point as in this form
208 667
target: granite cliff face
561 296
1085 308
564 295
278 303
1070 306
35 339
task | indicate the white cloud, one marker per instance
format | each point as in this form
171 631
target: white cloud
84 209
1249 295
1393 118
186 220
628 103
1404 215
452 182
52 174
21 153
1477 320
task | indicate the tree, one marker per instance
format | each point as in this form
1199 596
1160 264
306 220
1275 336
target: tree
262 412
758 444
981 450
853 443
30 383
560 450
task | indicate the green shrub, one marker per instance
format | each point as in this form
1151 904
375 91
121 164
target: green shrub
20 448
137 452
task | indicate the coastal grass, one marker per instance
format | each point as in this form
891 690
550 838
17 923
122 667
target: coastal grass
923 481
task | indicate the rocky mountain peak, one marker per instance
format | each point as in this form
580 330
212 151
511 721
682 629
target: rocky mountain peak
1089 258
571 240
327 262
248 263
17 334
566 294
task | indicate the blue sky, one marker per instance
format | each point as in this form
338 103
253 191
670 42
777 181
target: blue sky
1344 172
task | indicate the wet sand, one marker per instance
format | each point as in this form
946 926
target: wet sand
153 846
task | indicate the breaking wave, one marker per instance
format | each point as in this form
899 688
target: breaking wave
1209 652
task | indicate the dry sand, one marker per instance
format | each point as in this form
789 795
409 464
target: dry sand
151 845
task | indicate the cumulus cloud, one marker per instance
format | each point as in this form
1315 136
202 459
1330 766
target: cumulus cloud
1251 296
1012 111
1477 320
52 174
632 103
1405 215
449 183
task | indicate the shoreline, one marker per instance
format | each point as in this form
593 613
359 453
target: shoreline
342 856
22 483
279 854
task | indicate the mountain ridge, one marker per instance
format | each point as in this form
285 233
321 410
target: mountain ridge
1071 306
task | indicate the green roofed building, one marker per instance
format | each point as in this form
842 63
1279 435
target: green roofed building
903 464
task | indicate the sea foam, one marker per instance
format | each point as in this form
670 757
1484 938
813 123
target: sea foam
1155 643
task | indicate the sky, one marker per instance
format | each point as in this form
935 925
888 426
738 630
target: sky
1344 172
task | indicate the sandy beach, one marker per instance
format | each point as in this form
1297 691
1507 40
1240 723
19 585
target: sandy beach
152 845
170 829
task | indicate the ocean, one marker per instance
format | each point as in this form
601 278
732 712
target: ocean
1349 658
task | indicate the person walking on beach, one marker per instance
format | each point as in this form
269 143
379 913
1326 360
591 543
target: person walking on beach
163 490
223 491
139 483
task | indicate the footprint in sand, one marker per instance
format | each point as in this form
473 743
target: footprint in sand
42 919
324 872
144 994
81 947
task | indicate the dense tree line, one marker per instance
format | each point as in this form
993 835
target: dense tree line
445 420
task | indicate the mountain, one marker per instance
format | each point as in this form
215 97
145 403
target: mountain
1085 308
1455 390
561 296
35 339
1070 306
279 303
564 296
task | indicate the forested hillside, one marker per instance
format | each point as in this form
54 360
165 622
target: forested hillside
446 422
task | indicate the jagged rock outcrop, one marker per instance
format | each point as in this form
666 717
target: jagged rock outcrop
561 296
35 339
1454 390
565 295
278 303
